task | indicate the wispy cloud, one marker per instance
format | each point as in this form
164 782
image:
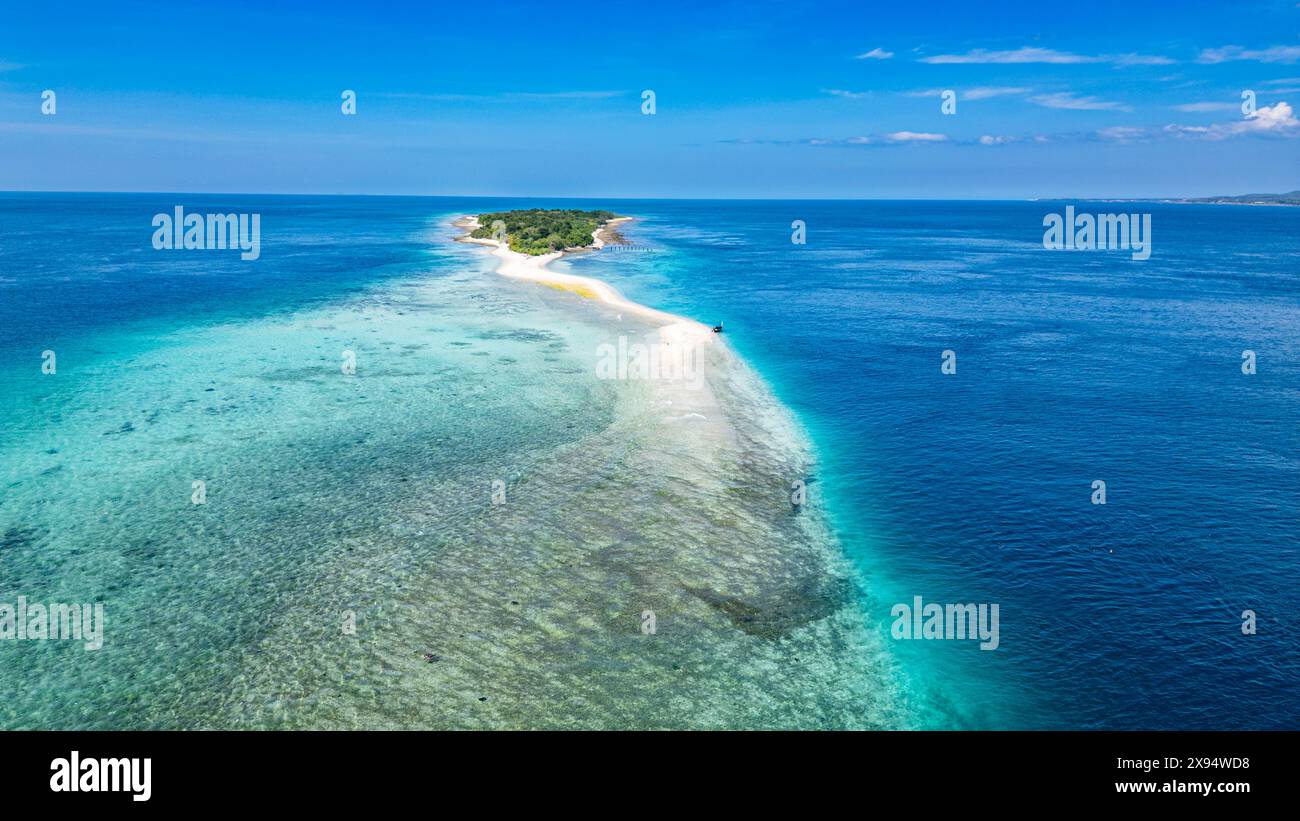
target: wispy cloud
1284 85
894 138
505 95
433 98
1269 121
915 136
1021 55
1123 134
1138 59
1273 54
875 54
898 139
977 93
1206 106
985 92
6 66
1033 54
564 95
1067 100
852 95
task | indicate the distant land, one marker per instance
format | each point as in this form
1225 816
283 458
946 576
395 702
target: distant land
1291 198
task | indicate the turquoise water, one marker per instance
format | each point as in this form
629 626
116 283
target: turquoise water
333 497
365 499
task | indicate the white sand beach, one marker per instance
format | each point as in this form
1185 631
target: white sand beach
672 328
693 475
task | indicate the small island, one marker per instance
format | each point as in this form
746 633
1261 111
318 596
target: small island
538 231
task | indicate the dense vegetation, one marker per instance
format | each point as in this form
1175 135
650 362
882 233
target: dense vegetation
541 231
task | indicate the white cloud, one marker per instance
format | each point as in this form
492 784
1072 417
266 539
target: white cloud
1186 130
879 140
1122 133
1139 60
915 136
875 54
566 95
1206 106
977 93
1064 99
1270 118
1020 55
1033 54
985 92
506 95
1277 121
1122 60
852 95
1273 54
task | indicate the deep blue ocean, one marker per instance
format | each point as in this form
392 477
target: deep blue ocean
970 487
1072 367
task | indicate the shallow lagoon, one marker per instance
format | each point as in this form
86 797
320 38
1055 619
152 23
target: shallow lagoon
348 568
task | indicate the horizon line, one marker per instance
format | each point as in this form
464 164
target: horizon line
1039 198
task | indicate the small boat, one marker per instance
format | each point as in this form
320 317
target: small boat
717 329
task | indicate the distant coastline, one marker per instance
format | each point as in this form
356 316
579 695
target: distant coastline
1289 199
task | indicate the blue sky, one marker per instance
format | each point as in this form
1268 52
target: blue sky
753 99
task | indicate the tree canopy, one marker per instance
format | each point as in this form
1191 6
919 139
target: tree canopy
540 230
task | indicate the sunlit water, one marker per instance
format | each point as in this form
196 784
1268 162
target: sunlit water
333 496
367 498
976 487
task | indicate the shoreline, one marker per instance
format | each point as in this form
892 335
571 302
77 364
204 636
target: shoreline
719 450
516 265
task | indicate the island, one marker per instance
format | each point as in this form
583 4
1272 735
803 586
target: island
538 231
